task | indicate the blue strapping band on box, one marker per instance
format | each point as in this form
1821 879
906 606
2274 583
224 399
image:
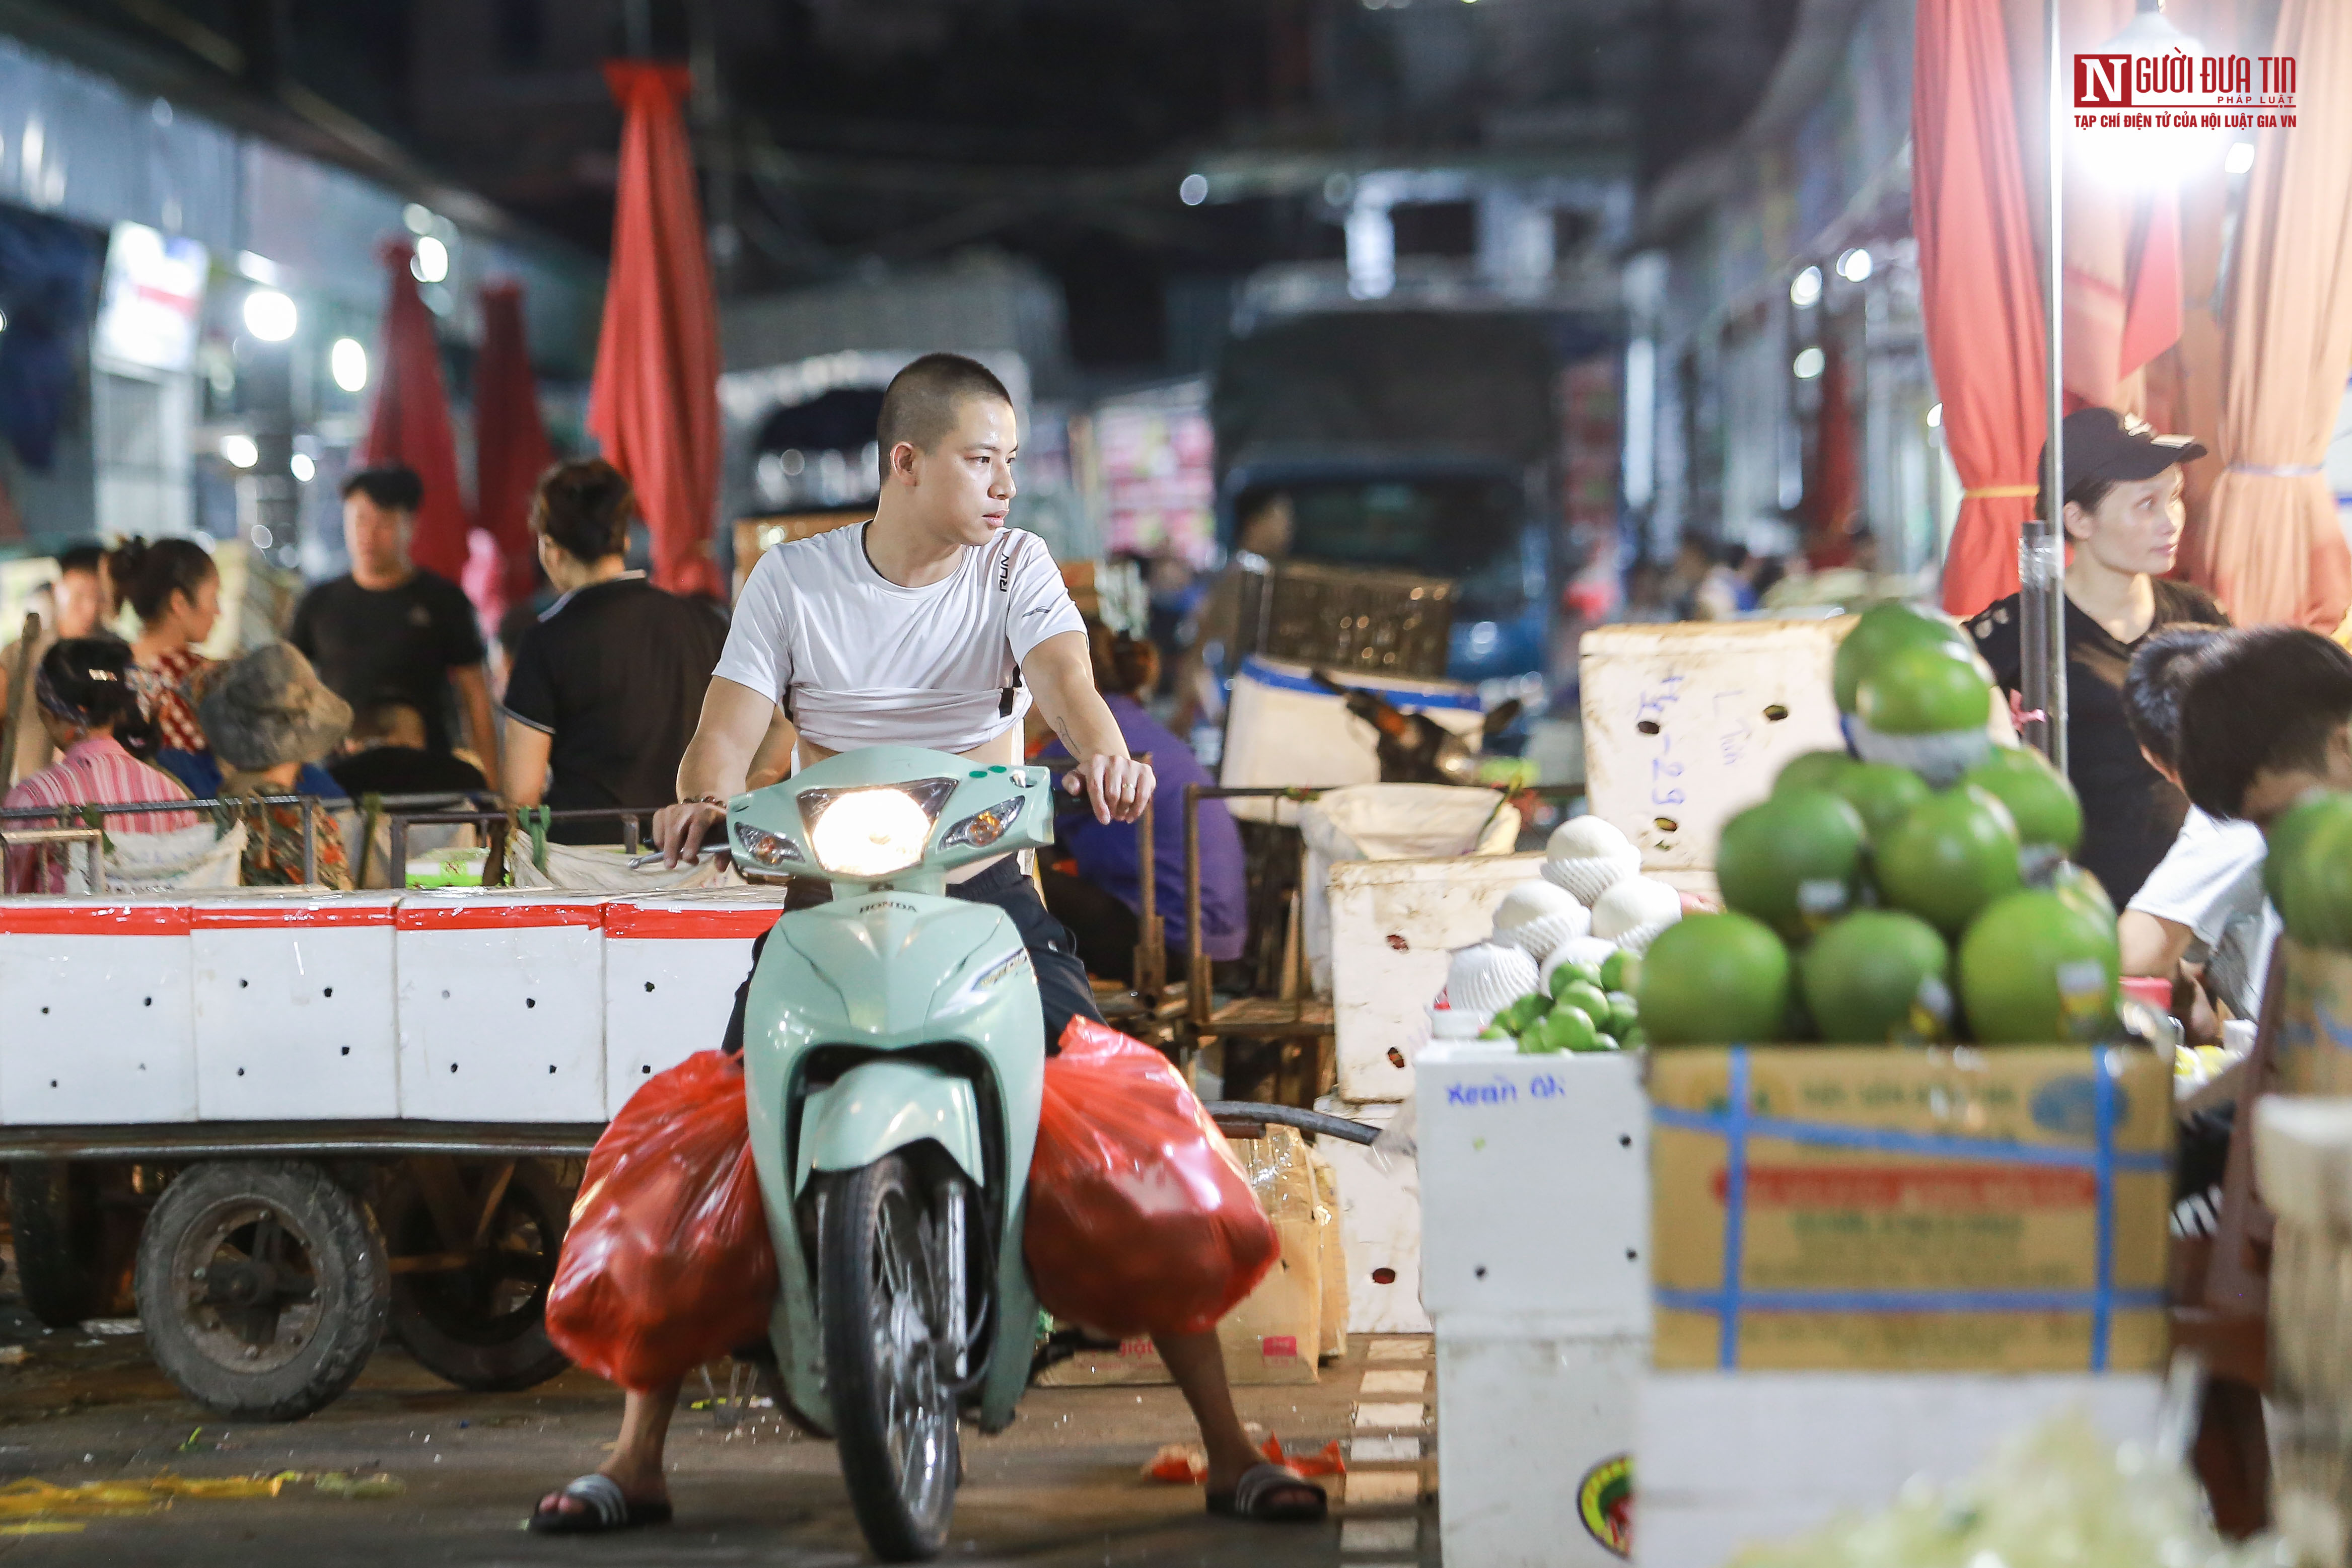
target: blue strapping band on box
1736 1126
1405 697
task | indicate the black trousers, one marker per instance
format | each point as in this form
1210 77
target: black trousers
1062 990
1106 930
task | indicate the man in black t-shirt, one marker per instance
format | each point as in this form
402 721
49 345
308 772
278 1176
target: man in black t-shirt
607 684
2122 519
391 631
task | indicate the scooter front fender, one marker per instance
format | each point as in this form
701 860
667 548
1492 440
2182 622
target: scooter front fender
881 1106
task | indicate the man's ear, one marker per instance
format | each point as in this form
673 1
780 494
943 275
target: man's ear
2165 770
901 465
2339 757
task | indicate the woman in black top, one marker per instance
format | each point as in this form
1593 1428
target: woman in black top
607 684
2123 521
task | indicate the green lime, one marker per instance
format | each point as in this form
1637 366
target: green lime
1524 1011
1568 1029
1878 977
1536 1042
1716 979
1495 1032
1883 629
2040 799
1814 769
2305 869
2038 969
1568 974
1955 853
1634 1039
1794 860
1587 998
1620 970
1624 1014
1607 1043
2077 886
1924 689
1880 793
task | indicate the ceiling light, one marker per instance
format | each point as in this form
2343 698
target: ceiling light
431 263
1853 266
1194 190
1805 289
1935 417
2240 158
239 451
304 469
1809 363
271 315
418 218
348 362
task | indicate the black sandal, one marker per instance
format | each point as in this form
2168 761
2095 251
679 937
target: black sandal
604 1508
1258 1497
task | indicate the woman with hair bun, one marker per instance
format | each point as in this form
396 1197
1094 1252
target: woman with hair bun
1102 905
174 588
83 692
608 682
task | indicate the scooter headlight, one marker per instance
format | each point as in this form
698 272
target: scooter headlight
873 831
982 828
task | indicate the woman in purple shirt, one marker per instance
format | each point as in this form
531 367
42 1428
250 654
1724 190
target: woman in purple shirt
1101 904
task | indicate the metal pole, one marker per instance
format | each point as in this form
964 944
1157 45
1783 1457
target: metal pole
2040 546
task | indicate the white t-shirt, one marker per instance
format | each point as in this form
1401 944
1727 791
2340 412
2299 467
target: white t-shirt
856 660
2211 880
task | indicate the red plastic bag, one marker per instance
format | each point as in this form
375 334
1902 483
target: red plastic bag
1141 1220
668 1263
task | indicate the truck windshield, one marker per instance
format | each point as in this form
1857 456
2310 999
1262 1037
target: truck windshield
1466 527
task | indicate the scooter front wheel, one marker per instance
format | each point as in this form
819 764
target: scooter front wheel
884 1315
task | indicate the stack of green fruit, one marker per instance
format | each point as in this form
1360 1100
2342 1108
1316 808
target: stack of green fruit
2308 871
1870 902
1588 1007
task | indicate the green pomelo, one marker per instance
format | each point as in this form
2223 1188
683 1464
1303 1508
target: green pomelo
1924 689
1620 970
2083 889
1882 629
1568 974
1793 861
1954 853
2039 798
1881 793
1568 1029
2037 968
1814 769
1589 1000
2306 870
1715 979
1878 977
1634 1039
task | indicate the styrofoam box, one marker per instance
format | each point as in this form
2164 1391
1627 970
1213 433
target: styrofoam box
294 1007
1732 1458
96 1017
501 1006
1535 1188
1535 1424
1283 728
1395 924
672 964
1379 1227
1688 723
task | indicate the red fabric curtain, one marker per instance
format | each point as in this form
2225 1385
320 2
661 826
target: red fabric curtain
510 445
410 422
1980 294
655 401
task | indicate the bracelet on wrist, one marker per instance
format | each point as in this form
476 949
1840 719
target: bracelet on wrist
705 800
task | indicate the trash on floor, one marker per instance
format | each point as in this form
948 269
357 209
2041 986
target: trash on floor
36 1501
1187 1464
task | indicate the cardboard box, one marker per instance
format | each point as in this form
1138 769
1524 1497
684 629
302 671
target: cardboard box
2315 1035
1332 1259
1890 1209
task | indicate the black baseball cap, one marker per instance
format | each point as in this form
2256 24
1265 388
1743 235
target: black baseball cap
2104 444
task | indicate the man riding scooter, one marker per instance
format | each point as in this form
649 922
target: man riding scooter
930 626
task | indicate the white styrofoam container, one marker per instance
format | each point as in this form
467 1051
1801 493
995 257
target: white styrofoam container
96 1015
672 964
294 1007
1380 1227
1283 728
501 1006
1535 1186
1686 724
1732 1458
1395 924
1535 1424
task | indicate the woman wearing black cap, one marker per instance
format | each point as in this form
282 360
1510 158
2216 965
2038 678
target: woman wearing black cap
2123 523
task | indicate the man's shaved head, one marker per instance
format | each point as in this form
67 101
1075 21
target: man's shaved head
919 406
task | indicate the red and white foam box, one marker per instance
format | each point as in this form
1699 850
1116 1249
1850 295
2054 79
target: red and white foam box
672 964
97 1017
501 1002
294 1006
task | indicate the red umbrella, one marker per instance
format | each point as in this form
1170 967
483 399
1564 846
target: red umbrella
1981 291
410 423
655 401
509 440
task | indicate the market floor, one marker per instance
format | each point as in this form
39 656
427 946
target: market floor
1063 1486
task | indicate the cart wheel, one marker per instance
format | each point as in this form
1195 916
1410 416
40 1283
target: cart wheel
52 1211
477 1314
262 1287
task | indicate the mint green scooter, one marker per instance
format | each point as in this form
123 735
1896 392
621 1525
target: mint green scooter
894 1062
